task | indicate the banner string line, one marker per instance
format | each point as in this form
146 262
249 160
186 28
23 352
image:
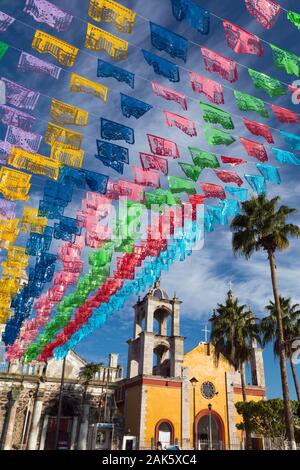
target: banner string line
83 51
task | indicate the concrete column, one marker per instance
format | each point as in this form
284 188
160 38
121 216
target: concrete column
146 354
36 416
177 346
231 411
74 433
185 410
142 444
44 432
257 366
11 416
176 317
84 428
149 307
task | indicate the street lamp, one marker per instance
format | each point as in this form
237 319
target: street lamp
194 382
209 418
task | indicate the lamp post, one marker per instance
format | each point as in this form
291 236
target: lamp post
209 419
194 382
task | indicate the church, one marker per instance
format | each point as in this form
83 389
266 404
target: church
176 398
168 397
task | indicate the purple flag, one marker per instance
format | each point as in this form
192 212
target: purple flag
7 209
15 117
19 96
29 63
5 149
5 21
26 140
45 12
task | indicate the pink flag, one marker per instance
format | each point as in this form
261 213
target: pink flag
259 129
132 191
229 177
233 161
162 147
185 125
241 40
153 162
145 178
219 64
213 190
170 95
265 11
285 115
211 89
254 149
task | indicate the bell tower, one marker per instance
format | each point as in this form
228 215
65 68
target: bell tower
156 347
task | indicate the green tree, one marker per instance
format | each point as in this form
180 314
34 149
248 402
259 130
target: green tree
263 226
291 329
233 332
266 418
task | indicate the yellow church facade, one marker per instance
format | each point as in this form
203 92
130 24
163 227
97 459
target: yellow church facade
172 398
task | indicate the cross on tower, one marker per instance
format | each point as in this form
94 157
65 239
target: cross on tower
230 285
206 331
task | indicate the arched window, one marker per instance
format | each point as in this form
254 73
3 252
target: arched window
164 433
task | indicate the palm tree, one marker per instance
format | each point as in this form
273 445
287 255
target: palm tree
234 331
291 329
263 226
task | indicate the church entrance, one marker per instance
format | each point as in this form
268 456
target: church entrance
210 431
164 434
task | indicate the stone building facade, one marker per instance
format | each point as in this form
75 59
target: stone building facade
29 396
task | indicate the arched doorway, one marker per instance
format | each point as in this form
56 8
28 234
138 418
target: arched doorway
210 431
164 433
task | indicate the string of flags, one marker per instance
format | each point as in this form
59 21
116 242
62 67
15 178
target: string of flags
42 318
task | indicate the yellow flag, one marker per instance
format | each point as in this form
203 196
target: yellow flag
16 256
63 136
109 11
83 85
9 232
31 222
64 113
64 52
38 164
98 39
14 185
66 156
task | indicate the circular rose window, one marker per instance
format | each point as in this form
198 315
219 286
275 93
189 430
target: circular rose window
208 389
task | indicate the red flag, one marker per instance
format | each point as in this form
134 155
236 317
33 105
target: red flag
169 94
211 89
145 178
255 149
265 11
233 161
241 40
219 64
163 147
153 162
185 125
213 190
285 115
256 128
229 177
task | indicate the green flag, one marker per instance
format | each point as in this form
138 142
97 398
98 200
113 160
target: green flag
216 137
215 115
203 159
271 86
3 49
161 197
181 185
294 18
191 171
250 103
286 60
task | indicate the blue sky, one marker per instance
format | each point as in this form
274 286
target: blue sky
202 280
